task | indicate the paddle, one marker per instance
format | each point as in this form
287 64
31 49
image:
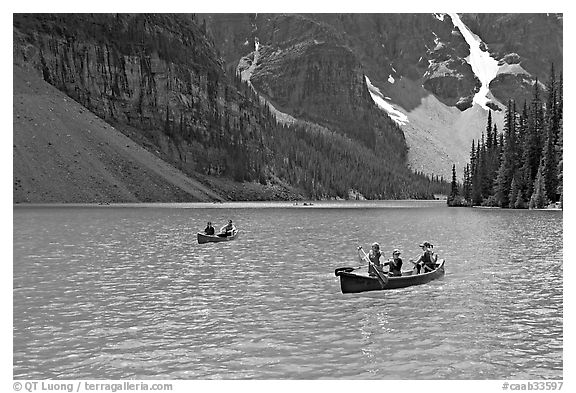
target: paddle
423 267
346 269
383 279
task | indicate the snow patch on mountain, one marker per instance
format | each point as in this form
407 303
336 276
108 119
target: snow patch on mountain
379 100
247 68
439 135
483 65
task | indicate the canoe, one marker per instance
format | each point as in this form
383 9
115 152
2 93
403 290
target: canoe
204 238
351 282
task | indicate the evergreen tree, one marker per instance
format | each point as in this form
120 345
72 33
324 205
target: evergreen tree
539 200
492 158
533 146
514 191
454 185
520 202
484 171
549 152
550 166
560 102
489 137
473 157
508 164
476 185
520 172
495 136
552 104
467 185
559 169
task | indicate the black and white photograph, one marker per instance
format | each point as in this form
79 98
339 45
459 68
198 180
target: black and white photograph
288 196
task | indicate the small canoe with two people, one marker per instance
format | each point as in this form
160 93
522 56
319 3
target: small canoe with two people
227 232
204 238
354 282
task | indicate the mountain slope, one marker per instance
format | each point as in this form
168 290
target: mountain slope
64 153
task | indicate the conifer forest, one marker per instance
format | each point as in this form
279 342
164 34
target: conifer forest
521 166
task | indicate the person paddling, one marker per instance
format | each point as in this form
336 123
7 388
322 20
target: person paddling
374 256
227 229
427 260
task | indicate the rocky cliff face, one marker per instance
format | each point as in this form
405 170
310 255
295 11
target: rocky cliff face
157 74
425 48
322 83
306 69
143 71
421 47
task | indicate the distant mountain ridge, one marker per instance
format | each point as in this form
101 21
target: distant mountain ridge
418 61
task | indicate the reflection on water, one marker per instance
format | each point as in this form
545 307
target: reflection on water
126 292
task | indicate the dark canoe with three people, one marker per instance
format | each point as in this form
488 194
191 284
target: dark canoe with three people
351 282
204 238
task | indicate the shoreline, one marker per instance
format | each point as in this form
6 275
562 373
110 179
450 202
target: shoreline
508 208
231 204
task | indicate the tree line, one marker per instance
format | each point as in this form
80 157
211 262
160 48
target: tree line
522 166
321 163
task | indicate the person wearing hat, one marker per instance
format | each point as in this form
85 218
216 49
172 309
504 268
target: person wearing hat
209 230
426 260
395 264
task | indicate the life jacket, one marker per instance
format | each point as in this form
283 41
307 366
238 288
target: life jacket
375 258
427 258
397 267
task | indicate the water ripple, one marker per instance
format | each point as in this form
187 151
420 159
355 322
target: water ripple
128 293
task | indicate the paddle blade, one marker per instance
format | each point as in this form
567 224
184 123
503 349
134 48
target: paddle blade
343 269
